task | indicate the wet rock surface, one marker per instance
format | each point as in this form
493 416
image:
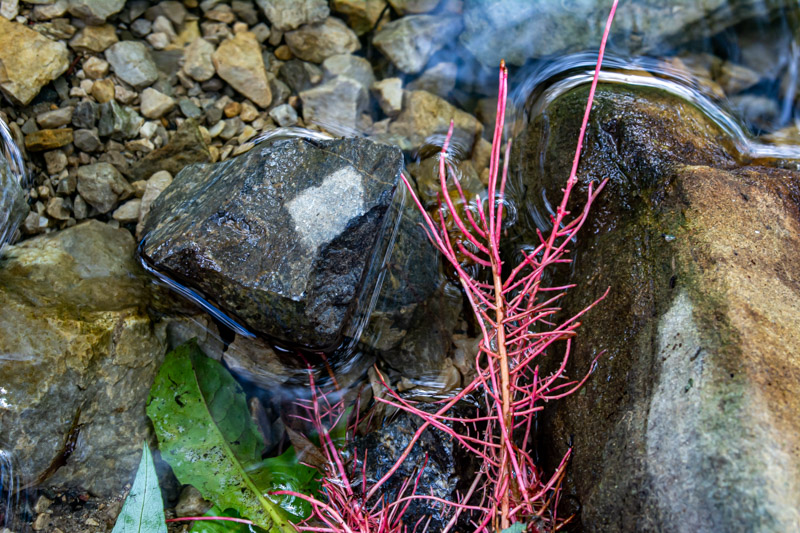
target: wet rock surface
700 367
439 477
411 41
13 208
282 237
425 114
412 325
79 357
317 42
335 105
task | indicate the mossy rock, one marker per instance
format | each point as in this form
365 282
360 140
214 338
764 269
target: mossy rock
694 402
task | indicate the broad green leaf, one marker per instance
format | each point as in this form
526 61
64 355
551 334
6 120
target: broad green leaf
205 433
143 511
285 472
519 527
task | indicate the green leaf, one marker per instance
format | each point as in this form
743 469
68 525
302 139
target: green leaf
519 527
206 435
143 511
285 472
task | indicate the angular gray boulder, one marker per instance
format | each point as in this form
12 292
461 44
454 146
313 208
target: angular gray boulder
285 239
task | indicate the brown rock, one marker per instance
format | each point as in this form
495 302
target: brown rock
317 42
187 146
42 140
284 53
238 61
71 307
94 38
28 61
232 109
413 6
362 15
700 329
103 90
425 114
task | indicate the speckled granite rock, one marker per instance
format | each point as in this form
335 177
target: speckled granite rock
280 238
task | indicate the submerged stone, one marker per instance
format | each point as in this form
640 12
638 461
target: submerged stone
434 456
187 146
518 30
77 358
690 421
284 239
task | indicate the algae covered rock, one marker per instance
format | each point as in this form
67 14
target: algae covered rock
186 146
700 328
77 356
285 239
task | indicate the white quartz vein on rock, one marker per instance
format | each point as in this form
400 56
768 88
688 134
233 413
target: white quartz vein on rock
321 213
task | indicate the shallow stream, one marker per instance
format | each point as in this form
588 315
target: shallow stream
736 60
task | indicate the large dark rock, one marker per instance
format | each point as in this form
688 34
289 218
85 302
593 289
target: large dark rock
437 458
286 239
412 325
690 421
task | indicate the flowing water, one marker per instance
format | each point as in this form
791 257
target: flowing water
744 76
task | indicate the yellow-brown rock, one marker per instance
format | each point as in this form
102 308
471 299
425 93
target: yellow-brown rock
28 61
42 140
238 61
78 353
94 38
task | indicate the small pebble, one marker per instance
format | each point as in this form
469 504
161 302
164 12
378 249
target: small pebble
248 112
55 118
232 109
128 212
103 90
284 115
95 68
